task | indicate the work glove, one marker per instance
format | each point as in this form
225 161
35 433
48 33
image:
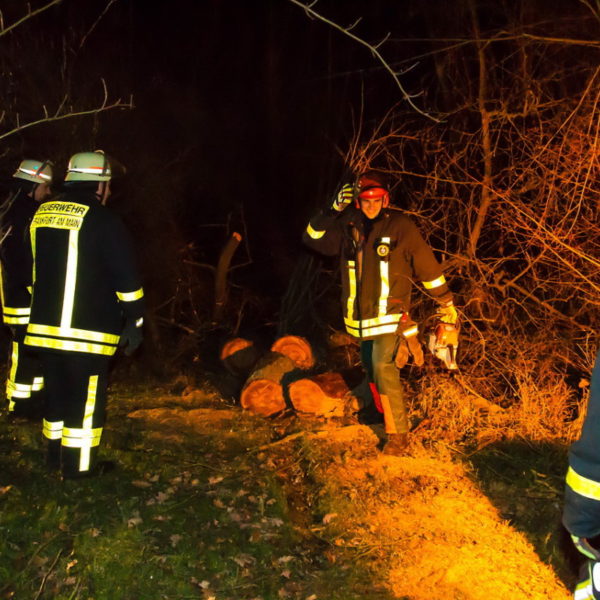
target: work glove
408 343
447 314
343 198
131 336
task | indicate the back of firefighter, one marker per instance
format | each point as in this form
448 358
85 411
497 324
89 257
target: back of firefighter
31 185
87 300
382 253
581 512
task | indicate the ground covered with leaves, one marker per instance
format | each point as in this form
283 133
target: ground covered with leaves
211 502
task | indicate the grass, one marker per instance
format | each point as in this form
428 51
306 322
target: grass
199 518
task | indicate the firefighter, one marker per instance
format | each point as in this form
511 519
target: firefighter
382 253
31 186
87 300
581 511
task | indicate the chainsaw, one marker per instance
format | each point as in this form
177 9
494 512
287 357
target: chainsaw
443 344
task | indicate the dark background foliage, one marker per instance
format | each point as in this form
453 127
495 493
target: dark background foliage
244 114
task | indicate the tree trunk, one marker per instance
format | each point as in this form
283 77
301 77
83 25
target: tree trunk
262 393
323 395
239 356
295 348
221 275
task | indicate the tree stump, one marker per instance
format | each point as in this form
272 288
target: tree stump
262 393
239 356
297 349
323 395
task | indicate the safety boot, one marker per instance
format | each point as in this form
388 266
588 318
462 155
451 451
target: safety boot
396 444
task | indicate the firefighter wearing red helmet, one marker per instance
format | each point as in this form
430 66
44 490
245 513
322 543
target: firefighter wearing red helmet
87 300
382 253
31 185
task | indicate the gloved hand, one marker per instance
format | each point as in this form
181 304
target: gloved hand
131 336
408 343
343 198
447 314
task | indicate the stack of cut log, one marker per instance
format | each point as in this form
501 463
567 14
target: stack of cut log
280 379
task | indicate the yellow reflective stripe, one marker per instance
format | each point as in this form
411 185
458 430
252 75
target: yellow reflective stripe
70 279
16 320
582 485
584 590
430 285
392 318
411 331
371 327
52 430
21 387
130 296
70 332
384 274
38 384
71 346
351 289
19 394
371 331
14 312
88 414
14 361
314 234
79 438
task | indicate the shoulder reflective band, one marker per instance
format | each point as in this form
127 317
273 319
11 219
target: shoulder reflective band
313 233
582 485
430 285
130 296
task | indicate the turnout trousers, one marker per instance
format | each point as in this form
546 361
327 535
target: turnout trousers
75 409
24 383
377 356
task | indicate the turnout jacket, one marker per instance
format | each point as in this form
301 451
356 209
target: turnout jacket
15 257
581 513
85 281
380 259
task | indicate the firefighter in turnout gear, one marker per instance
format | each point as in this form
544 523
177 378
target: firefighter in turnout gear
581 512
31 185
382 253
87 300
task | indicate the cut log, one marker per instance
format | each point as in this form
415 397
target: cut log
239 356
323 395
296 348
262 393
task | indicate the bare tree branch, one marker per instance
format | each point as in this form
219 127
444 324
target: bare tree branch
30 14
373 48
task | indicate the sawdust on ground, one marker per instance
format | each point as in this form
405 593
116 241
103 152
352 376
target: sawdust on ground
421 514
